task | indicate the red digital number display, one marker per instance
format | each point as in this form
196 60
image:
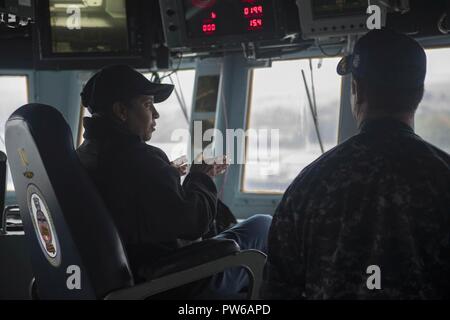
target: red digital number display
251 15
254 16
209 28
255 24
253 11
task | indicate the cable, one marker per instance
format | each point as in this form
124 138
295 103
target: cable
312 86
225 120
181 91
311 107
327 54
174 70
444 29
180 101
155 77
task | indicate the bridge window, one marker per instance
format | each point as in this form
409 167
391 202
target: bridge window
432 120
172 115
13 94
278 100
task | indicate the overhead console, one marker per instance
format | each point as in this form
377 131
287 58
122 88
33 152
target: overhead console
199 25
88 34
208 26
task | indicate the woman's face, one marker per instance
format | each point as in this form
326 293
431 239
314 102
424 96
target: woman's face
141 117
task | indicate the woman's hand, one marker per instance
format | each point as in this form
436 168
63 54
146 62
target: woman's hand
181 165
211 167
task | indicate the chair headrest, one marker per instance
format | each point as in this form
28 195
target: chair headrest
85 231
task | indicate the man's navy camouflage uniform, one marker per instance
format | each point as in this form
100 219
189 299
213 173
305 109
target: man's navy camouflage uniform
380 198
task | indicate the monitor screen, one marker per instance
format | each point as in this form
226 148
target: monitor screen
88 26
88 34
218 18
322 9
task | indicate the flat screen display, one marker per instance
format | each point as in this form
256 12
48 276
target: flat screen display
323 9
88 26
218 18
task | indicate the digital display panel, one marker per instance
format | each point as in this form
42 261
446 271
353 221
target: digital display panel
207 18
323 9
88 26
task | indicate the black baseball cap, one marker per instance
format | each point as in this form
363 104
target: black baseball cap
118 83
386 58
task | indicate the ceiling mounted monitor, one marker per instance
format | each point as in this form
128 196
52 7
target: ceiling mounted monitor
332 18
92 33
94 26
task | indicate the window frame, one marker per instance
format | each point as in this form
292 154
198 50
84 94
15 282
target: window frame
80 125
236 71
242 204
10 195
189 66
430 45
247 123
84 77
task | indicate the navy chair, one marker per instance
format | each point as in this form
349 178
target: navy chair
75 249
2 192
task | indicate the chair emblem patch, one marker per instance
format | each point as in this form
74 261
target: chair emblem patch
44 226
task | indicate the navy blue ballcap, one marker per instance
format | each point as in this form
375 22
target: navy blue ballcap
386 58
119 83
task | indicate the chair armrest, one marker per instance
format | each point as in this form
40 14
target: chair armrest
190 256
252 260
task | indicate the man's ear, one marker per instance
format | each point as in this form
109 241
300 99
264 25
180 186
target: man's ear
359 90
120 111
353 86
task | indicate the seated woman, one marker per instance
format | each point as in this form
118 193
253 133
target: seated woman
154 213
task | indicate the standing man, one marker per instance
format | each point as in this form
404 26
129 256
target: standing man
370 218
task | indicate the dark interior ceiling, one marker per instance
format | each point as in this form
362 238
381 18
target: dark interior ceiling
16 44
